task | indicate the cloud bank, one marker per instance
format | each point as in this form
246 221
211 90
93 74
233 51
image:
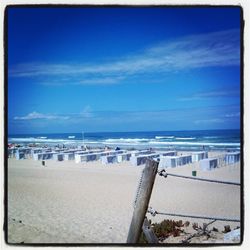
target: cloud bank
35 116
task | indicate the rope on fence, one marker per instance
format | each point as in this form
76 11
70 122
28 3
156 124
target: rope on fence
154 212
165 174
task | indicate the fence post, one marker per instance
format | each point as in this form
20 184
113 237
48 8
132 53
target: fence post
148 232
141 206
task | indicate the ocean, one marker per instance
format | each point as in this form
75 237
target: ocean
179 140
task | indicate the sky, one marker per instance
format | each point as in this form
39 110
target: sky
123 69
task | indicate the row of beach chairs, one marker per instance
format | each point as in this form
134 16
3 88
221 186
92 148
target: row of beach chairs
136 157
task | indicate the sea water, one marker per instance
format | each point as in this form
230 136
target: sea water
179 140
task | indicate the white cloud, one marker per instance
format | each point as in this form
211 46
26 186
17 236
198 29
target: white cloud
214 120
190 52
35 115
100 81
86 112
233 115
211 94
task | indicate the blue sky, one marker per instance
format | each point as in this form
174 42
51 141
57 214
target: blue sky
123 69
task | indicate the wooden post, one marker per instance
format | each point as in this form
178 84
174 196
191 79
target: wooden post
141 206
148 232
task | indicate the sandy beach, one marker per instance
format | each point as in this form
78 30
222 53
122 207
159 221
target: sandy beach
65 202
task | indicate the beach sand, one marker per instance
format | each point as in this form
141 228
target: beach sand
66 202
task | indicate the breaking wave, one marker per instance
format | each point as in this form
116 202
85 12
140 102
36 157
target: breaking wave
164 137
197 143
185 138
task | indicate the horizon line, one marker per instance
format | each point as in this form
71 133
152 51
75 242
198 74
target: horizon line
122 131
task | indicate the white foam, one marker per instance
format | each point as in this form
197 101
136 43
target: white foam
164 137
185 138
31 139
197 143
121 140
210 137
